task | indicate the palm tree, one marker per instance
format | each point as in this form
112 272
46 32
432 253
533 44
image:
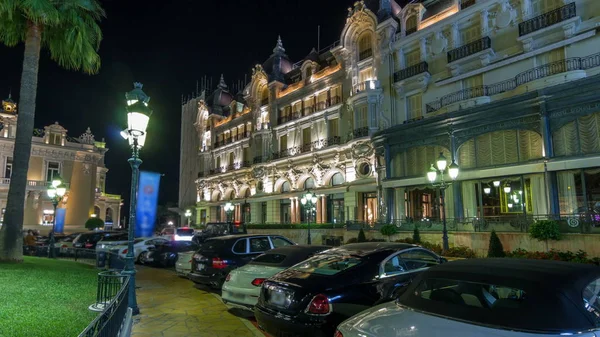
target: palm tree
69 30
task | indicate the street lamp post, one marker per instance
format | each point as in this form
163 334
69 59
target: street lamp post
188 215
308 201
56 191
228 210
442 167
138 116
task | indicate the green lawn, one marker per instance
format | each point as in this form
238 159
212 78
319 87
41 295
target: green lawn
46 298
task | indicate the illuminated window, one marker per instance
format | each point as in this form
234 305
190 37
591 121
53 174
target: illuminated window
365 46
53 171
544 6
283 143
411 24
361 116
8 167
414 106
469 34
413 58
365 75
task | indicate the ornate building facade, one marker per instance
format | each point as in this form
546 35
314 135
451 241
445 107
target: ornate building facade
78 161
504 88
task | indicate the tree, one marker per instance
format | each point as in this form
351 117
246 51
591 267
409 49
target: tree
69 30
495 248
361 236
416 235
388 230
93 223
544 230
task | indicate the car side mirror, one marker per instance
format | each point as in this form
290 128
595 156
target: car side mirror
443 260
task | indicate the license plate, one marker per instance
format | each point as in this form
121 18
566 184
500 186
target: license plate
199 267
277 298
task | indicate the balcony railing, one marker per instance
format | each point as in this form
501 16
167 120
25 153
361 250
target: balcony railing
324 143
548 19
308 110
365 54
240 165
322 105
411 30
258 160
466 3
287 152
30 183
411 71
553 68
336 100
358 133
366 85
289 117
306 147
469 49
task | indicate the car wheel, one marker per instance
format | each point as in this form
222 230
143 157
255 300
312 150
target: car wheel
139 258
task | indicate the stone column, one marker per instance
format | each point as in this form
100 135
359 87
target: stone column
255 213
318 217
484 15
324 208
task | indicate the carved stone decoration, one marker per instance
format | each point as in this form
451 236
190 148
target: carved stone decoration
292 173
438 43
221 186
36 200
318 169
362 150
87 137
236 185
505 16
338 161
87 168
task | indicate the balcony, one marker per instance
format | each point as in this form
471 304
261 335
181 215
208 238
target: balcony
411 71
528 76
306 148
289 117
241 165
548 19
287 153
336 100
308 110
322 106
358 133
324 143
469 49
366 86
31 184
466 4
258 160
365 54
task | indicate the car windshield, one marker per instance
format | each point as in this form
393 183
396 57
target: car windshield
115 237
327 264
185 231
591 299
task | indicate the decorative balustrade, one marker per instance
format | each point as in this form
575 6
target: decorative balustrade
469 49
358 133
366 85
336 100
553 68
411 71
548 19
365 54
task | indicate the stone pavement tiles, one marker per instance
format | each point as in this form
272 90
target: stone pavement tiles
170 306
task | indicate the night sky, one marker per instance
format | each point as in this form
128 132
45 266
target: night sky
168 46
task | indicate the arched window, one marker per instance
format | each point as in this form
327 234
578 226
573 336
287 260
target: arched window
231 195
286 187
109 215
411 25
247 194
97 211
309 183
365 46
264 97
337 179
217 196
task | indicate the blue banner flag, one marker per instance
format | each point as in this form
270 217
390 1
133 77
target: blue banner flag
147 200
59 220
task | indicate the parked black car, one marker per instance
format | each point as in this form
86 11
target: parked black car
164 254
89 240
216 229
218 256
314 296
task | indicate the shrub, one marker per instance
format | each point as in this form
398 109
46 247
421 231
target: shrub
406 240
352 240
93 223
388 230
434 247
579 257
376 240
544 230
416 235
460 251
495 248
361 236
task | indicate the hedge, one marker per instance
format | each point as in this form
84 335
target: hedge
295 226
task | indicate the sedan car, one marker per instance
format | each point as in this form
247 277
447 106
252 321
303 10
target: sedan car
490 297
140 246
314 296
166 254
242 285
219 256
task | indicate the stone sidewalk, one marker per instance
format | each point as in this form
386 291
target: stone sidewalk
171 306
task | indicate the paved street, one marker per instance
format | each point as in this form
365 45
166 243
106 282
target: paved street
172 306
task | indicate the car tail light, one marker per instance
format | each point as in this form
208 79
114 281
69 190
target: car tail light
64 246
124 251
319 305
228 278
338 334
219 263
257 282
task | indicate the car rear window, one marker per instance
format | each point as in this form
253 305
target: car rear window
212 245
115 237
591 300
327 264
185 231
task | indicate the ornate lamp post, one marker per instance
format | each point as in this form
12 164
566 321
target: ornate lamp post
188 215
308 201
442 167
228 210
56 192
138 116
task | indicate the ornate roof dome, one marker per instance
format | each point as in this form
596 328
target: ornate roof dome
9 106
278 64
220 98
